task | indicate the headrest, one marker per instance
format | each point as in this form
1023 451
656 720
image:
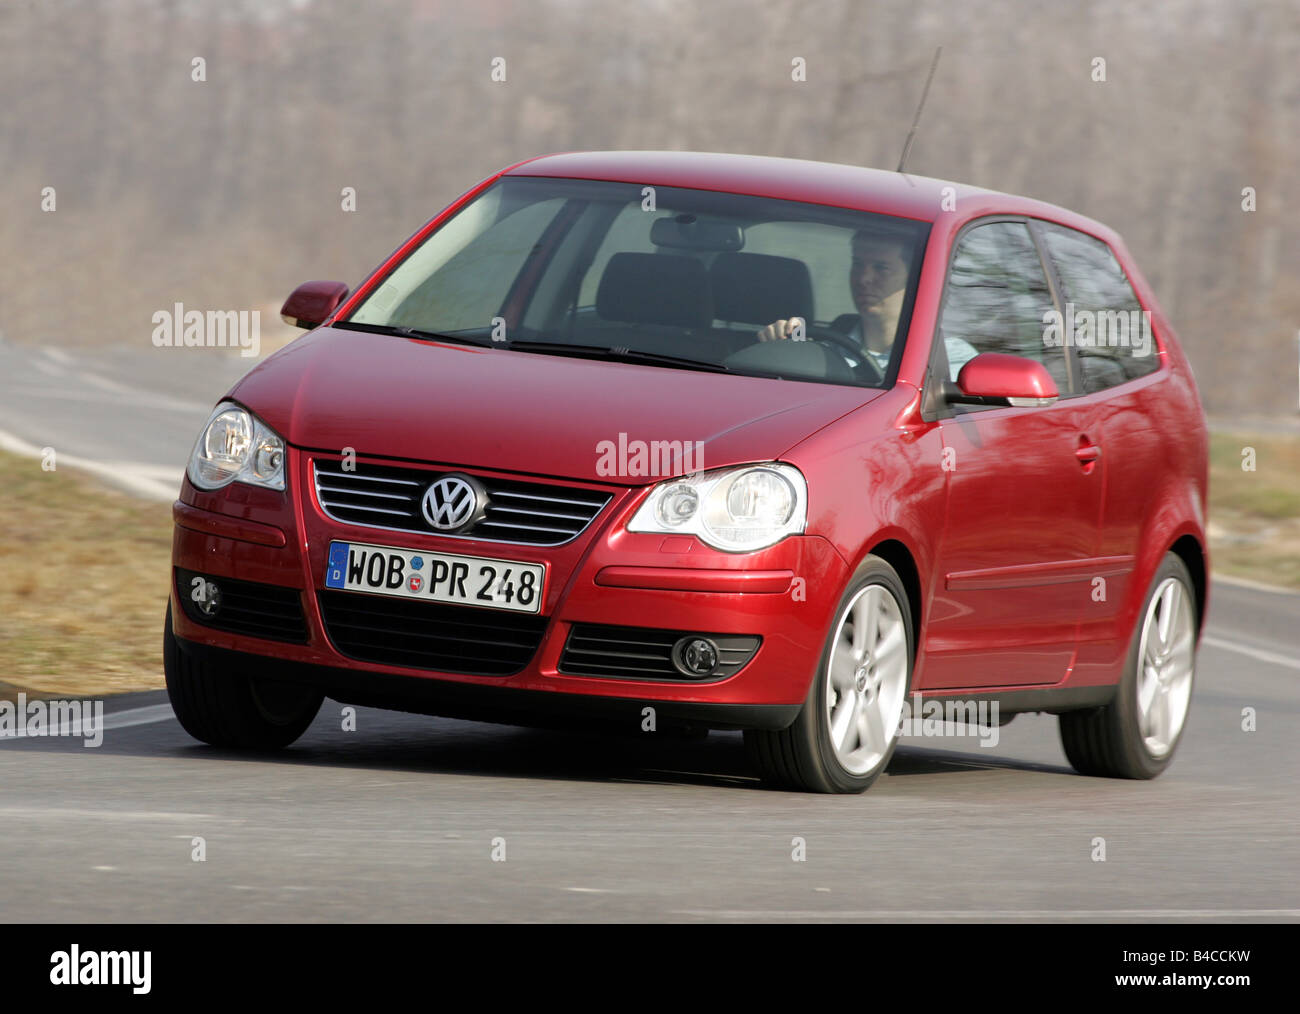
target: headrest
655 289
758 288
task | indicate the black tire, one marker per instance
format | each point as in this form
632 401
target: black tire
802 757
229 709
1108 741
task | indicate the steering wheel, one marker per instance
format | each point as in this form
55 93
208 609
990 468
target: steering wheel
864 369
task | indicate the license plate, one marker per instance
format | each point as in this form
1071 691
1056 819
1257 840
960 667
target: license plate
436 577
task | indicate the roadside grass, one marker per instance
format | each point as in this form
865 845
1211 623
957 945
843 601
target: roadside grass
83 583
1255 515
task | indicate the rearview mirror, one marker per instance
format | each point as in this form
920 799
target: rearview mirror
312 302
690 232
996 376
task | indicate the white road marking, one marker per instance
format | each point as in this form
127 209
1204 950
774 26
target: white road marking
85 396
58 355
1258 654
139 396
148 481
139 716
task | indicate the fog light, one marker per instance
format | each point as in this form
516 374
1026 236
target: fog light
207 596
695 656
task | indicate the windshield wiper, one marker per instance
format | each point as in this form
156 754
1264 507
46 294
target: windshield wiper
616 354
411 332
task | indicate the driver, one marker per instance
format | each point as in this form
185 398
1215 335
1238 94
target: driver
878 282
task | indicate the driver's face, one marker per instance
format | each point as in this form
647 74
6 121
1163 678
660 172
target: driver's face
877 271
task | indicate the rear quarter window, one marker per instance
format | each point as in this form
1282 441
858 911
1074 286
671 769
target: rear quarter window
1102 319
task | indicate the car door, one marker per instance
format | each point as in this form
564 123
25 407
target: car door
1113 354
1024 484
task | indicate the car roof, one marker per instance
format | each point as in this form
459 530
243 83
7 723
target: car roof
847 186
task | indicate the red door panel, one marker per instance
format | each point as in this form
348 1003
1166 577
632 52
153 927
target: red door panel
1018 551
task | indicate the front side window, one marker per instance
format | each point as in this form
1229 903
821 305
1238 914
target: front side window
997 299
1102 319
671 276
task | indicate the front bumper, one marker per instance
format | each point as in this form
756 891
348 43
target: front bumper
607 576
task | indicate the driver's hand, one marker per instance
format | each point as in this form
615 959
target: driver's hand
778 330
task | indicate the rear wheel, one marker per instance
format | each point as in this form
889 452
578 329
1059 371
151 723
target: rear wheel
1136 734
848 728
230 709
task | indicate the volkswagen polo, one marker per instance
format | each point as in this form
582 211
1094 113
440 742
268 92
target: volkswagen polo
674 440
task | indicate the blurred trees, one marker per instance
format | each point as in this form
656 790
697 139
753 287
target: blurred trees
227 192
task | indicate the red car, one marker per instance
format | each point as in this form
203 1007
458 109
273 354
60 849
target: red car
717 441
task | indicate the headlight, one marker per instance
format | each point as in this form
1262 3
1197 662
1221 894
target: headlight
734 509
236 446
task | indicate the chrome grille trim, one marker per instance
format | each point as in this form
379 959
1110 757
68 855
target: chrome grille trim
358 507
536 514
523 528
375 478
518 513
385 496
548 499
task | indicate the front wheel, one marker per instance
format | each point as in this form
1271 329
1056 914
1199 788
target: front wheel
231 709
1136 734
848 728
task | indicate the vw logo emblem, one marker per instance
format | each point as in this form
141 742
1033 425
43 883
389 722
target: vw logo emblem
452 502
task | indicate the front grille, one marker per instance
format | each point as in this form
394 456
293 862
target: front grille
245 607
644 653
430 635
525 513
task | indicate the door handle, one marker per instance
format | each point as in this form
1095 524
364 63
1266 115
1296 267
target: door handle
1088 453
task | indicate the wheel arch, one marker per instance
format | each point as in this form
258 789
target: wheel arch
1189 549
1175 524
896 553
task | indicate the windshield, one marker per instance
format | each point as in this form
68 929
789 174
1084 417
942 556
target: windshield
666 276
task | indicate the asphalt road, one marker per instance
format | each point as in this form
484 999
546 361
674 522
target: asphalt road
400 819
129 415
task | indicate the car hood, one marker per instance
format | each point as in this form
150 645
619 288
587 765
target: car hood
464 406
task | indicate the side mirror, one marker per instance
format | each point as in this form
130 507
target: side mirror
996 376
312 302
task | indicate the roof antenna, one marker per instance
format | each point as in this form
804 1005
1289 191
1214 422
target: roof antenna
907 145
